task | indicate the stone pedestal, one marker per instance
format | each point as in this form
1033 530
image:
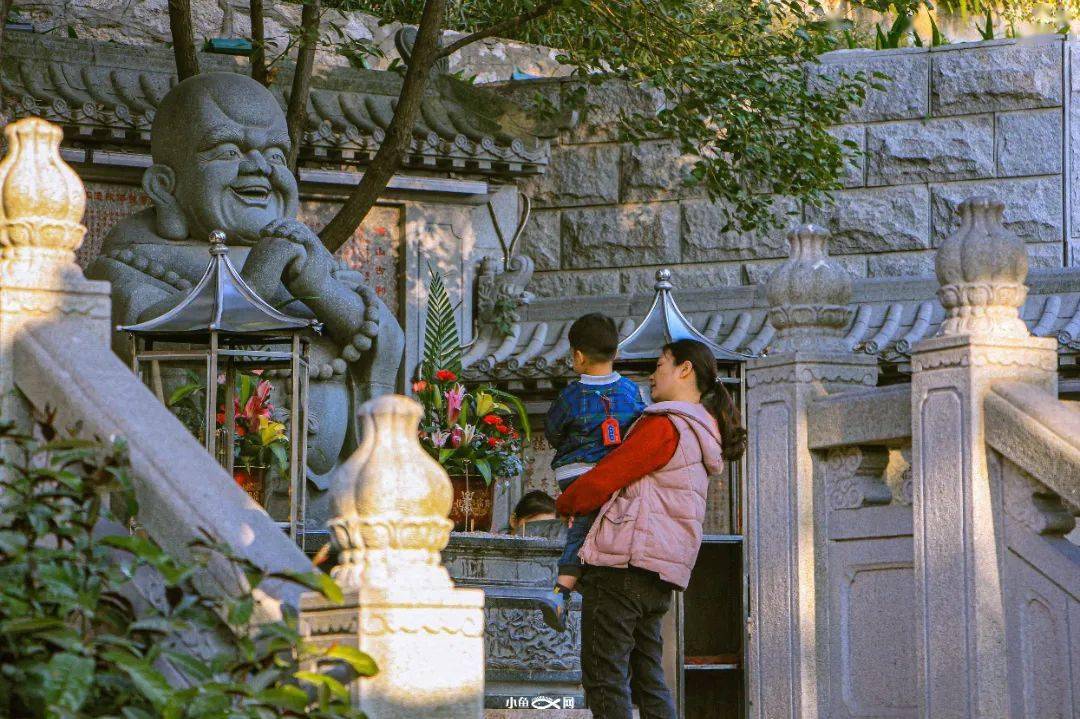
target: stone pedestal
41 206
527 661
389 505
427 642
784 554
958 519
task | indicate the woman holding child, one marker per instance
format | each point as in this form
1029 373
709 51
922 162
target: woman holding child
650 492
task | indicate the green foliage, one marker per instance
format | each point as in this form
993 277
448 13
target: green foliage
725 80
442 343
986 32
76 640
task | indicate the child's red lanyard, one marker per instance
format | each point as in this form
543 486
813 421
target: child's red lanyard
609 428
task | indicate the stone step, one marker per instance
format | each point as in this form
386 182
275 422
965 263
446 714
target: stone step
541 714
538 714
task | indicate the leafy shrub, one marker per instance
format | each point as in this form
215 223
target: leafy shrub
77 640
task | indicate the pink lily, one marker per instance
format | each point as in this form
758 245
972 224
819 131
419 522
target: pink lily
456 436
454 398
439 437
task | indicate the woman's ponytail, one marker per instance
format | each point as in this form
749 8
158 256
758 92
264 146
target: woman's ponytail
714 395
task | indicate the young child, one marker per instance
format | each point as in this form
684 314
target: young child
587 420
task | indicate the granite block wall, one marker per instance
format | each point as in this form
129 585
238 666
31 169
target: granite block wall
991 117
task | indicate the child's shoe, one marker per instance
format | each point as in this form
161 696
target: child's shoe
562 607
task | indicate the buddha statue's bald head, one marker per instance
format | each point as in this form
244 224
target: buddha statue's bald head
219 144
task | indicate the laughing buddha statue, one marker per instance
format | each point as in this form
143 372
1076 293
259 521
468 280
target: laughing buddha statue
219 143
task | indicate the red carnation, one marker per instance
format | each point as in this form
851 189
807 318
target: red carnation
493 442
492 420
445 375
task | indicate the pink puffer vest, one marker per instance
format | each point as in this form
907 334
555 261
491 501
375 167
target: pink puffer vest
656 522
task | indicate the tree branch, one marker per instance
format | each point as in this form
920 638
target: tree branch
500 29
183 36
258 43
398 134
296 113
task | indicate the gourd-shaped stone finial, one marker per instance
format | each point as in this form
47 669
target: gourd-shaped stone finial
981 269
808 296
41 198
390 502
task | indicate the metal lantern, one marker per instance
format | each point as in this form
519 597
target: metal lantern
223 326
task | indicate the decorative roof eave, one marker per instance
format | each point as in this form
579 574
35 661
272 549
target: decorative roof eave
891 315
104 96
221 302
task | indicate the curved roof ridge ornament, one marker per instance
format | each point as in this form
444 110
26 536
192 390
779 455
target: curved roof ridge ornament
665 323
221 302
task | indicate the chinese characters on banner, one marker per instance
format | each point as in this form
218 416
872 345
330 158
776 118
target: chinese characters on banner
374 250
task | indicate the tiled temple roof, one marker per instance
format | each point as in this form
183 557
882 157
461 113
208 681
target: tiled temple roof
891 315
105 95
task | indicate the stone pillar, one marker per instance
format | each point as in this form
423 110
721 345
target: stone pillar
41 208
959 540
808 297
389 507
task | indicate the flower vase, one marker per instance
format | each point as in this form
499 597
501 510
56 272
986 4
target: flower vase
473 503
252 479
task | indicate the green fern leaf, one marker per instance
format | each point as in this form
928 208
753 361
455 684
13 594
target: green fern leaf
442 343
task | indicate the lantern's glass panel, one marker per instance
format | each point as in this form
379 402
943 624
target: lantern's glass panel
264 447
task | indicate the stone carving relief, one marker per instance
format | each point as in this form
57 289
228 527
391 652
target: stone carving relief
1032 503
855 477
518 640
898 475
824 373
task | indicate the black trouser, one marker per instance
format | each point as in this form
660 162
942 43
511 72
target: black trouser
621 646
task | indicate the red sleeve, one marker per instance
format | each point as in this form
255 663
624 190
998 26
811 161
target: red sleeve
646 449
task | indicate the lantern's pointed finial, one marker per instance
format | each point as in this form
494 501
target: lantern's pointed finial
217 243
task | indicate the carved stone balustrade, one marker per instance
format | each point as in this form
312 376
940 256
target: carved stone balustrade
959 547
390 503
41 207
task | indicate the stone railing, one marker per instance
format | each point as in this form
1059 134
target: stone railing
828 538
391 501
906 545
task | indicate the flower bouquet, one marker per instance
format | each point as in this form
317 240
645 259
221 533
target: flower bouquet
260 441
476 434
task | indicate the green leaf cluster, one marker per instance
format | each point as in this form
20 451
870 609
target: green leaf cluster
78 640
730 82
442 343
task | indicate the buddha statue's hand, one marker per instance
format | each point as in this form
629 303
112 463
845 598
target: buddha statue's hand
311 274
269 262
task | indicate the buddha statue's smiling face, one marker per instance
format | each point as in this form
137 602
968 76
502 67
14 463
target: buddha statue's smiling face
219 144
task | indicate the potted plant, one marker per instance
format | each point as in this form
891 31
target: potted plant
479 434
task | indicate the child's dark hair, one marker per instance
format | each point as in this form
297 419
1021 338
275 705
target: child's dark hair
534 503
714 394
595 336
